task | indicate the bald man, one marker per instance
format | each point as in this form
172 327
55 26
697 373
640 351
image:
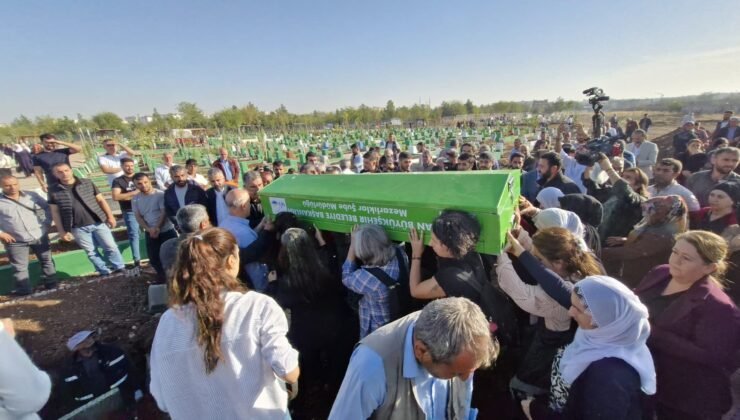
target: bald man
252 242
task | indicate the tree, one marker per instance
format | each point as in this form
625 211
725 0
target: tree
469 107
389 111
107 121
230 118
192 116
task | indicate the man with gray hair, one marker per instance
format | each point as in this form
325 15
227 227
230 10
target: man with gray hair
192 218
420 366
252 242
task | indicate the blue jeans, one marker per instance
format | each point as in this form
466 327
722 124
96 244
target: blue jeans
132 228
99 232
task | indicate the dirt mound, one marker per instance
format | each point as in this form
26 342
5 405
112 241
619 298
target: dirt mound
665 144
115 307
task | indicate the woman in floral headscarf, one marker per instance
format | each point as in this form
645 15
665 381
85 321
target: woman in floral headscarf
649 243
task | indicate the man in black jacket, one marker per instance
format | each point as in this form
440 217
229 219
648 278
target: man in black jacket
731 131
216 196
549 167
81 213
181 193
95 369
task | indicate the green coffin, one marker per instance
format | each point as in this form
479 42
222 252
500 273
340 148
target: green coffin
399 201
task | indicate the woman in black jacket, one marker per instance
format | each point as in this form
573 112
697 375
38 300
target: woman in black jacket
322 327
606 370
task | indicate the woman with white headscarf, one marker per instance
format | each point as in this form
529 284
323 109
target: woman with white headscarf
606 370
555 217
548 198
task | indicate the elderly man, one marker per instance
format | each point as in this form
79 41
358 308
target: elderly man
24 226
230 167
81 213
426 162
162 172
44 162
149 209
181 193
253 184
216 197
724 161
420 366
252 242
110 162
192 218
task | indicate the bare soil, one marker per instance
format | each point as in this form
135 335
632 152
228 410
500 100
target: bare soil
114 307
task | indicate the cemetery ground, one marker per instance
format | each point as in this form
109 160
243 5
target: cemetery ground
116 308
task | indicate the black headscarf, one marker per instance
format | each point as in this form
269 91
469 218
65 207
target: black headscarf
588 209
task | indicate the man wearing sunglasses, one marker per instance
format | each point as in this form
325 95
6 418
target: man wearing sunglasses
110 162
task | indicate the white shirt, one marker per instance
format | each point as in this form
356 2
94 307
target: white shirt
244 384
112 161
199 179
348 172
573 170
162 176
677 189
180 194
24 389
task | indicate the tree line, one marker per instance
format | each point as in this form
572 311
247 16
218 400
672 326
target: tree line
189 115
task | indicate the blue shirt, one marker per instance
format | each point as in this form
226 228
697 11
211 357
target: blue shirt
363 389
244 237
227 170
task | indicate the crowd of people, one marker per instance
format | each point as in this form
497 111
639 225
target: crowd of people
614 297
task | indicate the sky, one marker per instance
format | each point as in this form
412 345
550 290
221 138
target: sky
63 57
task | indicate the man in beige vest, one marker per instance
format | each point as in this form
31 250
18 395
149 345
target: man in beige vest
418 367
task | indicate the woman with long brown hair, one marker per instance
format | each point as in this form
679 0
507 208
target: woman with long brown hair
219 351
553 251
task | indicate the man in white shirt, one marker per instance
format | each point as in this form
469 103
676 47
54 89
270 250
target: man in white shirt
110 162
191 167
162 172
646 152
666 172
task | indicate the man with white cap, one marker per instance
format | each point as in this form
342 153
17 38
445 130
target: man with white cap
95 369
